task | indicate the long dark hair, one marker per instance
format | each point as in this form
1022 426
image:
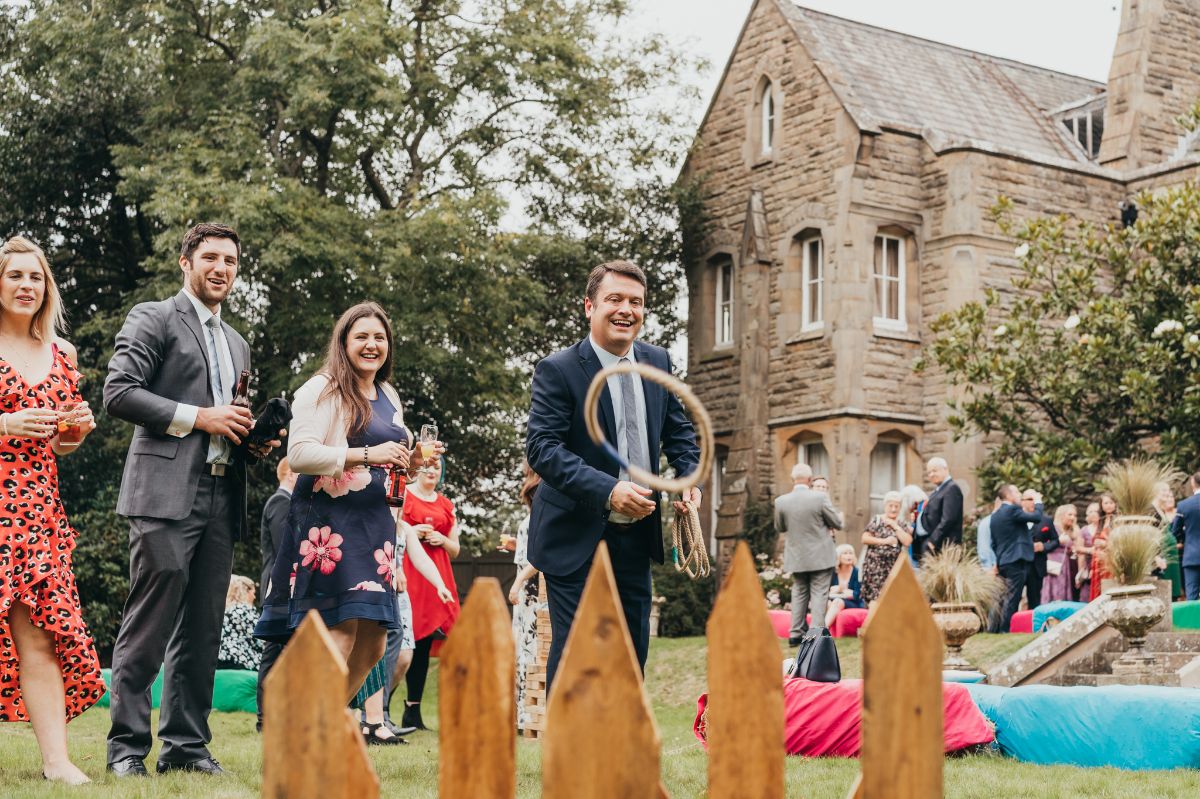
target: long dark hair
343 380
532 480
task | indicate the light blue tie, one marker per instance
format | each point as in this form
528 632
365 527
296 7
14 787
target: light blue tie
218 447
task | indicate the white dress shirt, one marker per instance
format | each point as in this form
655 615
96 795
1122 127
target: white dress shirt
608 359
184 421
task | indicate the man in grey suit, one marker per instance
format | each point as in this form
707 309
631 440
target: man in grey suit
805 518
184 492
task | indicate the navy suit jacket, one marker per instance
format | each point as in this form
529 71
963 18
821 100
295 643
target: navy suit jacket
568 515
1186 528
1045 533
942 516
1011 537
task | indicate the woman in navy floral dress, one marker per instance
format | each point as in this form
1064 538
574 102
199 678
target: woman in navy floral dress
338 557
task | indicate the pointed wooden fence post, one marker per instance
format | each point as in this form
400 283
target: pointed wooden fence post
312 749
601 740
745 689
902 745
477 743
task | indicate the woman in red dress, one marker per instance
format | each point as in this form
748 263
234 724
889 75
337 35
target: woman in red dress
432 516
49 672
1100 572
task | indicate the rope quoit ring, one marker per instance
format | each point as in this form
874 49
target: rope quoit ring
677 387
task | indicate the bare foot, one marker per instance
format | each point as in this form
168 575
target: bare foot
67 773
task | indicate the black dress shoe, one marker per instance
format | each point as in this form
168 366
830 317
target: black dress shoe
131 766
205 766
412 717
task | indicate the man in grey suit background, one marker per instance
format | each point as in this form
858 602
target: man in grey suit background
184 492
805 517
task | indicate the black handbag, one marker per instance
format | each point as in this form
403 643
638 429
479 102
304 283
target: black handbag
817 657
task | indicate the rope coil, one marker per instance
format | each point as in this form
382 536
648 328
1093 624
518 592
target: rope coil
688 551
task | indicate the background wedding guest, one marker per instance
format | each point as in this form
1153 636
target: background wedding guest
804 517
432 515
239 648
1045 541
886 536
1186 528
48 663
942 514
1059 583
172 374
1166 565
845 590
1108 512
338 557
271 533
1083 552
983 540
1013 541
820 483
911 504
524 598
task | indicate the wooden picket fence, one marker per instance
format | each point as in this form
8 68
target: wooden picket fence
601 738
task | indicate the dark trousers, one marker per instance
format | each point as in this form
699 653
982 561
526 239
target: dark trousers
630 555
178 574
419 669
1018 576
1191 581
270 654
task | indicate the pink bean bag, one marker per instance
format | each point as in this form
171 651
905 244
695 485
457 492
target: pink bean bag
1022 622
847 623
824 719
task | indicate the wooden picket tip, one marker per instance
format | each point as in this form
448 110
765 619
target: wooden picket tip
745 689
601 739
477 742
902 745
312 748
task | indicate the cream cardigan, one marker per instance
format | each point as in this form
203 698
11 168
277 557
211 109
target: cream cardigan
317 438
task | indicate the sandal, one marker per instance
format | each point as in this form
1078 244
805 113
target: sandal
369 733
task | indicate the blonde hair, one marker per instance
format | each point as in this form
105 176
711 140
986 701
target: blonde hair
49 320
846 548
240 590
1060 513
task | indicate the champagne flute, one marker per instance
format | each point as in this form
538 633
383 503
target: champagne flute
428 444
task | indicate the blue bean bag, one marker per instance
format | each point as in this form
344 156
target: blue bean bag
234 691
1059 609
1124 726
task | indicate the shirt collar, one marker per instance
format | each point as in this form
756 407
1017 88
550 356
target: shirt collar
201 309
801 487
607 358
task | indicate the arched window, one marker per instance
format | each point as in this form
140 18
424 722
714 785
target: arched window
811 450
812 283
887 471
766 103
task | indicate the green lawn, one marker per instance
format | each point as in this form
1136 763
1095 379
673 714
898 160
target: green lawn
675 677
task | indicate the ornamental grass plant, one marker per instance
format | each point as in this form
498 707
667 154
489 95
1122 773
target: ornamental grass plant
954 575
1131 551
1133 483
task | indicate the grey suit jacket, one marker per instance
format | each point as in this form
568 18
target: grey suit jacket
161 360
804 517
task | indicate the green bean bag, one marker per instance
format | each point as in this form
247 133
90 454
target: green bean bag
233 691
1186 615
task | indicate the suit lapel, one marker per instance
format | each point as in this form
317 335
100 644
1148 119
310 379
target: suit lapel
188 314
590 364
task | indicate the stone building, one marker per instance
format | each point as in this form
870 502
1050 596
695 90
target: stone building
848 173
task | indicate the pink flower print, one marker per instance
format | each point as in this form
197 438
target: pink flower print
355 479
386 558
368 585
321 551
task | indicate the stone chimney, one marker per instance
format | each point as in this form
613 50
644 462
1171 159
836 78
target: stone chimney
1154 78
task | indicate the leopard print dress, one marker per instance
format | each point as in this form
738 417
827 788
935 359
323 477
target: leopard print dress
36 542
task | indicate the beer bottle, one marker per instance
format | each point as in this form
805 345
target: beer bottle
397 487
241 395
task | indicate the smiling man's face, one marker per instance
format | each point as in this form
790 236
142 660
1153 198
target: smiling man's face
210 272
617 313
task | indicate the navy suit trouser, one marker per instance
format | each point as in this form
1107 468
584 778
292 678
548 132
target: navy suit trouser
1018 576
1191 581
629 550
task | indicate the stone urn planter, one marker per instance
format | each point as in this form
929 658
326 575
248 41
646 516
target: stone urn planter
958 621
1132 611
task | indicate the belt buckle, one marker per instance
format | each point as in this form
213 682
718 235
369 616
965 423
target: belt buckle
217 470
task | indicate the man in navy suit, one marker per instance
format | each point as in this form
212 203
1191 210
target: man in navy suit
1186 528
584 497
1012 540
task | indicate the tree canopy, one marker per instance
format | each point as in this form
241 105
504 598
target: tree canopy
462 163
1092 357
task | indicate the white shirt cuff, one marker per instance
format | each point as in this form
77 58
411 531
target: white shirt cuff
184 421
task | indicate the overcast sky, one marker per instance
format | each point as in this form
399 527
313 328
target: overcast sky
1072 36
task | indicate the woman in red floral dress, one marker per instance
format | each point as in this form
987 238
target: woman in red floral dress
49 672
